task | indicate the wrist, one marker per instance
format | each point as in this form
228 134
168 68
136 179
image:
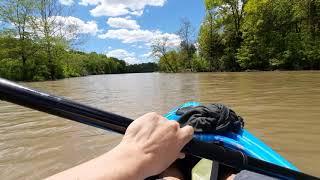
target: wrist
128 160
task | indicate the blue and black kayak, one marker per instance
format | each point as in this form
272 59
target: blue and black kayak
242 141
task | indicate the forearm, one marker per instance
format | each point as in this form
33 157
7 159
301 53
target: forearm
150 145
117 164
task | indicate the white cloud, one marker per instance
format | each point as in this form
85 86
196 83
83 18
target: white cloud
76 24
89 2
67 26
137 13
126 23
66 2
139 35
146 55
120 7
122 54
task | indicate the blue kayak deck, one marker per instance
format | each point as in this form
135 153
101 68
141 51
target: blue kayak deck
243 141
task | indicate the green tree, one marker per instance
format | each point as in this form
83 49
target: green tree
278 35
52 32
210 42
172 58
142 68
224 19
160 48
17 14
232 13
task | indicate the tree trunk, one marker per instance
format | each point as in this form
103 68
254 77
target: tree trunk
51 64
211 44
168 64
24 67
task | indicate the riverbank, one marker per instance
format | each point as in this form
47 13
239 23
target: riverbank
153 68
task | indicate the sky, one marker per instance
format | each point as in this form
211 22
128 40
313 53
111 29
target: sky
125 29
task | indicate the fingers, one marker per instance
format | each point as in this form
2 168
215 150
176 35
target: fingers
153 117
174 125
144 124
186 134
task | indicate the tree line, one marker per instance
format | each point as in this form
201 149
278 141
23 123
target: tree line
235 35
36 44
67 63
239 35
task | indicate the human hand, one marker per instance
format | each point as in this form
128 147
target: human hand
151 144
155 143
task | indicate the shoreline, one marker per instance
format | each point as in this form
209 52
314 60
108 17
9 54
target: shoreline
222 72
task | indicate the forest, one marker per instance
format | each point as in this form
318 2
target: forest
235 35
247 35
33 46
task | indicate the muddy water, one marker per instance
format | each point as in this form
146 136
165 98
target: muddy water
282 108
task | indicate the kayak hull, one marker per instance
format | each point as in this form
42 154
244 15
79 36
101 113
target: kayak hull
243 141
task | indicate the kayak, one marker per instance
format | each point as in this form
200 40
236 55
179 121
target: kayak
242 141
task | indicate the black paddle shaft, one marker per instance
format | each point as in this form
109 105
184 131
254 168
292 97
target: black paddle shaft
14 93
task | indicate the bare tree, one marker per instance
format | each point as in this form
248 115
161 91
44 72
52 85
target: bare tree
160 48
186 33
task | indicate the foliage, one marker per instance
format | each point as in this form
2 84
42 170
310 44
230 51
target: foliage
161 49
235 35
252 35
35 45
142 68
170 62
199 64
259 35
19 15
211 44
281 34
67 63
187 47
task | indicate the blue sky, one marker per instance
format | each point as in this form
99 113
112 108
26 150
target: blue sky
126 28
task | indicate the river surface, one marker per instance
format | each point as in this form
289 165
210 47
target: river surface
281 108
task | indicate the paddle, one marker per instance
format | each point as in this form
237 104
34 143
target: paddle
12 92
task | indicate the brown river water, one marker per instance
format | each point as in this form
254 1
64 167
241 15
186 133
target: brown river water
281 108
